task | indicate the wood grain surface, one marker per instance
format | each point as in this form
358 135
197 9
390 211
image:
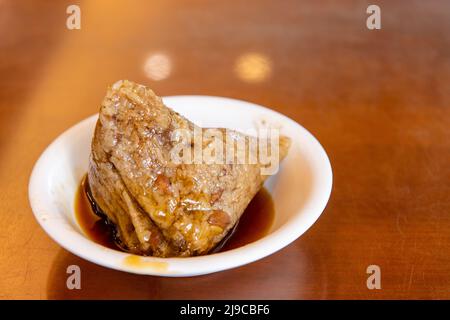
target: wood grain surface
378 101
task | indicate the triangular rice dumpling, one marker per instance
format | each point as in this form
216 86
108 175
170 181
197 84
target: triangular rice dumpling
159 206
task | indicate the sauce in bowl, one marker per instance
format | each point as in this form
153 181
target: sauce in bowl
254 223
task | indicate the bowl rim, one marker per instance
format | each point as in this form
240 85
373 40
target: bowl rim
76 242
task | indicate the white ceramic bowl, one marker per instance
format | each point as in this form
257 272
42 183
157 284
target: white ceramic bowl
300 190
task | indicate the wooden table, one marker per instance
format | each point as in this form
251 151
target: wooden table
378 101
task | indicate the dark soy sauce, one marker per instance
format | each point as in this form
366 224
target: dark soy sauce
254 224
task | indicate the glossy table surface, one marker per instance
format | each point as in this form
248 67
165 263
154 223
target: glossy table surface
378 101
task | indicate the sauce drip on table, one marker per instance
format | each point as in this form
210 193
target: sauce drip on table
254 224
